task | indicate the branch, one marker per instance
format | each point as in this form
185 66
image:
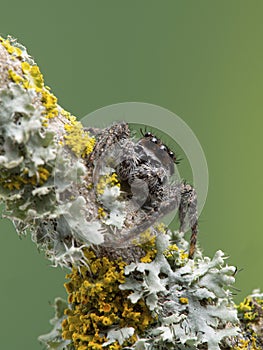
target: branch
131 284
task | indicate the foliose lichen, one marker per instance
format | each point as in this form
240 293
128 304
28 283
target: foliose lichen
250 313
145 295
167 302
41 146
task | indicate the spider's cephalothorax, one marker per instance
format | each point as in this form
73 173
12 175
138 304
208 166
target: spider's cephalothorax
161 146
145 169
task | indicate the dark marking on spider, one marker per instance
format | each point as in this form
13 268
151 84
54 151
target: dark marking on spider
146 168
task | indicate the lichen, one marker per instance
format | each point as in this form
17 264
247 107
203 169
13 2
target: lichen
147 242
108 195
27 153
78 140
191 298
98 308
32 78
54 340
11 49
151 305
37 172
136 291
250 313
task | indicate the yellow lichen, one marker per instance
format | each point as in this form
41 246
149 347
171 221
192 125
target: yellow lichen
146 241
183 255
161 227
148 257
43 175
15 77
49 101
71 118
168 253
107 180
183 300
245 305
17 181
247 344
97 303
78 140
101 213
176 256
250 315
31 78
12 50
248 312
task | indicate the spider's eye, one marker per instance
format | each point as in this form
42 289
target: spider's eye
163 148
148 134
171 154
154 140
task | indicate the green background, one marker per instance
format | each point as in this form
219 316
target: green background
200 59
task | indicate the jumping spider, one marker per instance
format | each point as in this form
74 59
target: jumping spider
145 169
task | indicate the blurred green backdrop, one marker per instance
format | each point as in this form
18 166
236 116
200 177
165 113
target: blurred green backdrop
200 59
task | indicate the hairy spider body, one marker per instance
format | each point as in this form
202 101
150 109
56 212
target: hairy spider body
145 169
113 135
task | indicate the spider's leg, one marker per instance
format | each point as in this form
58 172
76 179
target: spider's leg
166 205
107 138
188 206
128 160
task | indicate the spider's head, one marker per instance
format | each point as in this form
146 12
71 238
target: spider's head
158 151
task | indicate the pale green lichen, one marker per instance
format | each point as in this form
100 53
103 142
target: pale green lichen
146 295
29 76
99 315
191 298
37 174
54 340
108 194
27 153
187 306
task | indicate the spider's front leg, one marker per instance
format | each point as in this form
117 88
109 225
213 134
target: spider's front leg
188 207
107 138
